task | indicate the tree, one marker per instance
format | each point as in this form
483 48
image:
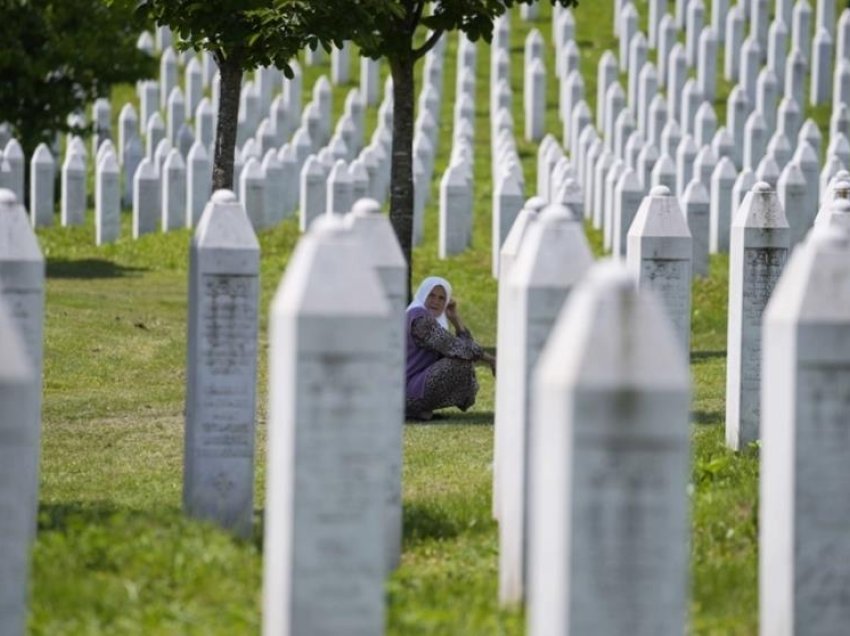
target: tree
56 56
239 39
388 29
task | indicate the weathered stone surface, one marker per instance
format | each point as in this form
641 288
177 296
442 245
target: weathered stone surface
326 467
610 451
758 249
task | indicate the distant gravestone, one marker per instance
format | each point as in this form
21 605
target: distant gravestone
339 186
508 198
252 193
173 192
755 140
534 100
107 200
205 124
155 133
14 154
42 187
599 467
805 451
720 214
198 182
628 195
758 249
313 192
734 37
659 254
167 75
128 127
73 190
133 154
275 188
821 77
194 84
455 231
324 547
373 229
147 201
218 469
695 206
553 257
19 451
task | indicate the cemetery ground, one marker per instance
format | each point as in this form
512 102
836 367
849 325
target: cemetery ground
114 553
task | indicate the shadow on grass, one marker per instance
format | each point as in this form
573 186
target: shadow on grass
89 268
702 356
476 418
423 522
707 418
61 517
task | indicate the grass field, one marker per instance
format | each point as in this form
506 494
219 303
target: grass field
114 555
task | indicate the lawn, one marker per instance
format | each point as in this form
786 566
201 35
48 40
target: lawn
114 554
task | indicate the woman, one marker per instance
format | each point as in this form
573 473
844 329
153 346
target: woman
440 371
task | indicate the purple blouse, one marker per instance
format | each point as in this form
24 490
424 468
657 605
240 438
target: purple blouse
428 342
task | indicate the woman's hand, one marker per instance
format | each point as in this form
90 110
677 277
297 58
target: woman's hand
451 312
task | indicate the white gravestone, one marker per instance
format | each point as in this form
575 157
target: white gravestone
339 185
805 549
552 259
695 205
324 558
374 230
508 198
275 188
659 255
224 295
147 204
252 193
173 192
19 450
128 127
758 249
42 187
73 190
107 200
455 231
722 181
534 99
504 333
134 152
198 182
794 198
176 114
628 195
609 467
312 191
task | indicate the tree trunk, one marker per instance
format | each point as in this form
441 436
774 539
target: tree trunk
401 178
228 116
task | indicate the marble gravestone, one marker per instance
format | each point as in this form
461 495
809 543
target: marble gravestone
73 188
42 187
507 202
758 248
324 554
198 182
455 231
22 273
218 470
107 200
312 191
147 205
659 255
504 320
695 204
553 258
19 450
372 228
720 213
252 192
609 467
173 180
805 451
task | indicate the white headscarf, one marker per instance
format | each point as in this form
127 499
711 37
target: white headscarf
425 288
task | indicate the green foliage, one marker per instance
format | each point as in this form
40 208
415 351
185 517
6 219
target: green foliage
56 56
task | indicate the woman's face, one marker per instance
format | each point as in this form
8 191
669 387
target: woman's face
436 301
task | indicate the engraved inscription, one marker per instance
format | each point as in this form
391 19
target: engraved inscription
822 508
228 352
671 280
762 269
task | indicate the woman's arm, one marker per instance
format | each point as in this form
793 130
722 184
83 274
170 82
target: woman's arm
428 334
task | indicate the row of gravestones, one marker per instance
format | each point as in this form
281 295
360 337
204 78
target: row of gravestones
604 454
336 411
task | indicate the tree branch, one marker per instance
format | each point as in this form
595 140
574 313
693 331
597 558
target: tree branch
428 45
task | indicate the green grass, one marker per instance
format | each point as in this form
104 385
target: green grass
114 555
